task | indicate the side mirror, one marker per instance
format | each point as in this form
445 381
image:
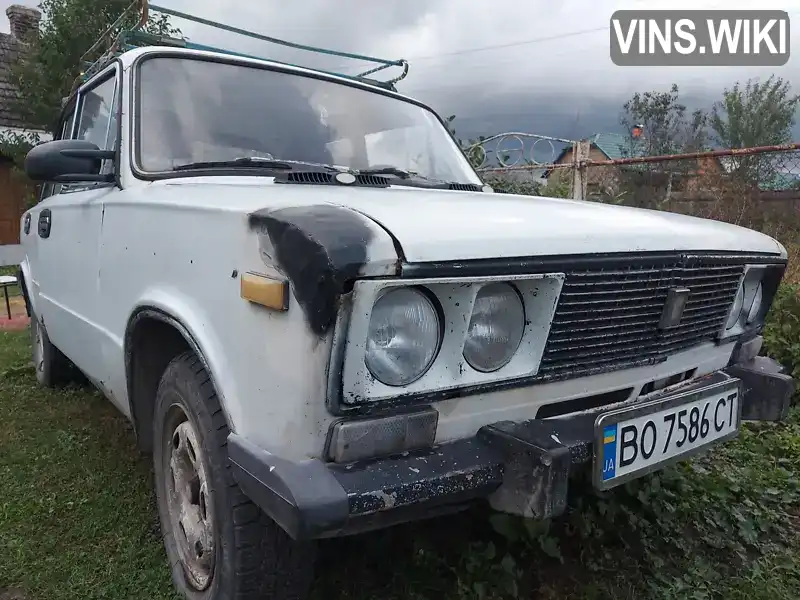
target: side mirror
67 161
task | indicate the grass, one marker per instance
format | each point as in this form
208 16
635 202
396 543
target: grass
77 518
78 521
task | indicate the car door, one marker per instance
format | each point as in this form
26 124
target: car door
68 225
29 234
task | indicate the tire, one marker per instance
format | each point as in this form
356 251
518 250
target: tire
250 556
51 366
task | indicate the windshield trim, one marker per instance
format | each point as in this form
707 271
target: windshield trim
135 102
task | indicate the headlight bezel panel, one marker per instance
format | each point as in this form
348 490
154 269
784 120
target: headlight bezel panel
352 387
765 276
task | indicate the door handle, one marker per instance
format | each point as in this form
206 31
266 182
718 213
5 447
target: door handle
45 219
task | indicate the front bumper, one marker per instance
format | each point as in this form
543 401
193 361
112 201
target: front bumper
522 467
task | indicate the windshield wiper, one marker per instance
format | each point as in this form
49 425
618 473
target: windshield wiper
255 162
236 162
405 174
401 173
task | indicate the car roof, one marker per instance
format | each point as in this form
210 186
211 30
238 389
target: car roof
129 57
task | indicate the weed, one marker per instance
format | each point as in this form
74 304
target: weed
78 520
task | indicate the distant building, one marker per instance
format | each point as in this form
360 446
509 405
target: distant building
24 22
609 181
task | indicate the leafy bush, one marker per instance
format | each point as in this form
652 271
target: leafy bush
782 330
558 189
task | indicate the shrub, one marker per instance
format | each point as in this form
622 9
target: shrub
782 329
508 185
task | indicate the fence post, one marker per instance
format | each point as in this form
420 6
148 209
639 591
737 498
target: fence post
579 171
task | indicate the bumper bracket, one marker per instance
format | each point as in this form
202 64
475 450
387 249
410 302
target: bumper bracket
766 390
537 457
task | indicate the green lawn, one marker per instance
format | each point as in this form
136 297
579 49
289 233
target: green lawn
77 521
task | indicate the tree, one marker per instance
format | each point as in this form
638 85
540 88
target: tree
696 137
53 61
666 129
472 148
758 114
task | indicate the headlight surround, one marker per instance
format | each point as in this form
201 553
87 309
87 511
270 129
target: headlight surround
755 307
495 329
753 298
403 337
736 309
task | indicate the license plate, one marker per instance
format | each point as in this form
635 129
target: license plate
631 442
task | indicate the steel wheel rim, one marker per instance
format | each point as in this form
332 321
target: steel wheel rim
189 500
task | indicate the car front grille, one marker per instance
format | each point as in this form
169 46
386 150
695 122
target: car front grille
608 318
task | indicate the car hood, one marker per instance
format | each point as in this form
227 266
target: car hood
443 225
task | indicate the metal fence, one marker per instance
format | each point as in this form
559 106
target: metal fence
766 172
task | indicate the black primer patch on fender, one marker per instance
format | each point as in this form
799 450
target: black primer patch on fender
320 249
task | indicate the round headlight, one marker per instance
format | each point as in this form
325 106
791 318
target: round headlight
736 309
755 308
403 337
495 329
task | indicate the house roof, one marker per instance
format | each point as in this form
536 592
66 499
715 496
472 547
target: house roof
613 145
616 145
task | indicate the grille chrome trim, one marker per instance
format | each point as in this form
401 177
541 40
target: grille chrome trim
608 318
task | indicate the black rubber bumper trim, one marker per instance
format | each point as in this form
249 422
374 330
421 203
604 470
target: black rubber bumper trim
766 389
522 467
304 498
312 499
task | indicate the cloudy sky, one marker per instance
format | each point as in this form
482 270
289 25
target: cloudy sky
540 66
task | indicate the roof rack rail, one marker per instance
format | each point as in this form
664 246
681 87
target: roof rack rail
116 40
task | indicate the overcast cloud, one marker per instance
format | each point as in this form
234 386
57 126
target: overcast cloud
553 76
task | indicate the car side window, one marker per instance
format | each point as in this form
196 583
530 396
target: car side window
97 119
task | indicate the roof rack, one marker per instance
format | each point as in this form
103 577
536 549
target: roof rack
117 40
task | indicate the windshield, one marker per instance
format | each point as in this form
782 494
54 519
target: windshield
198 111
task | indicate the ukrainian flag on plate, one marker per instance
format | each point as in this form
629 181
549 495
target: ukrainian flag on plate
609 451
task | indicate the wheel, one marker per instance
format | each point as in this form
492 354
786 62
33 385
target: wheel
219 544
52 367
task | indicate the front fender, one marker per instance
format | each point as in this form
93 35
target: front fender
195 325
